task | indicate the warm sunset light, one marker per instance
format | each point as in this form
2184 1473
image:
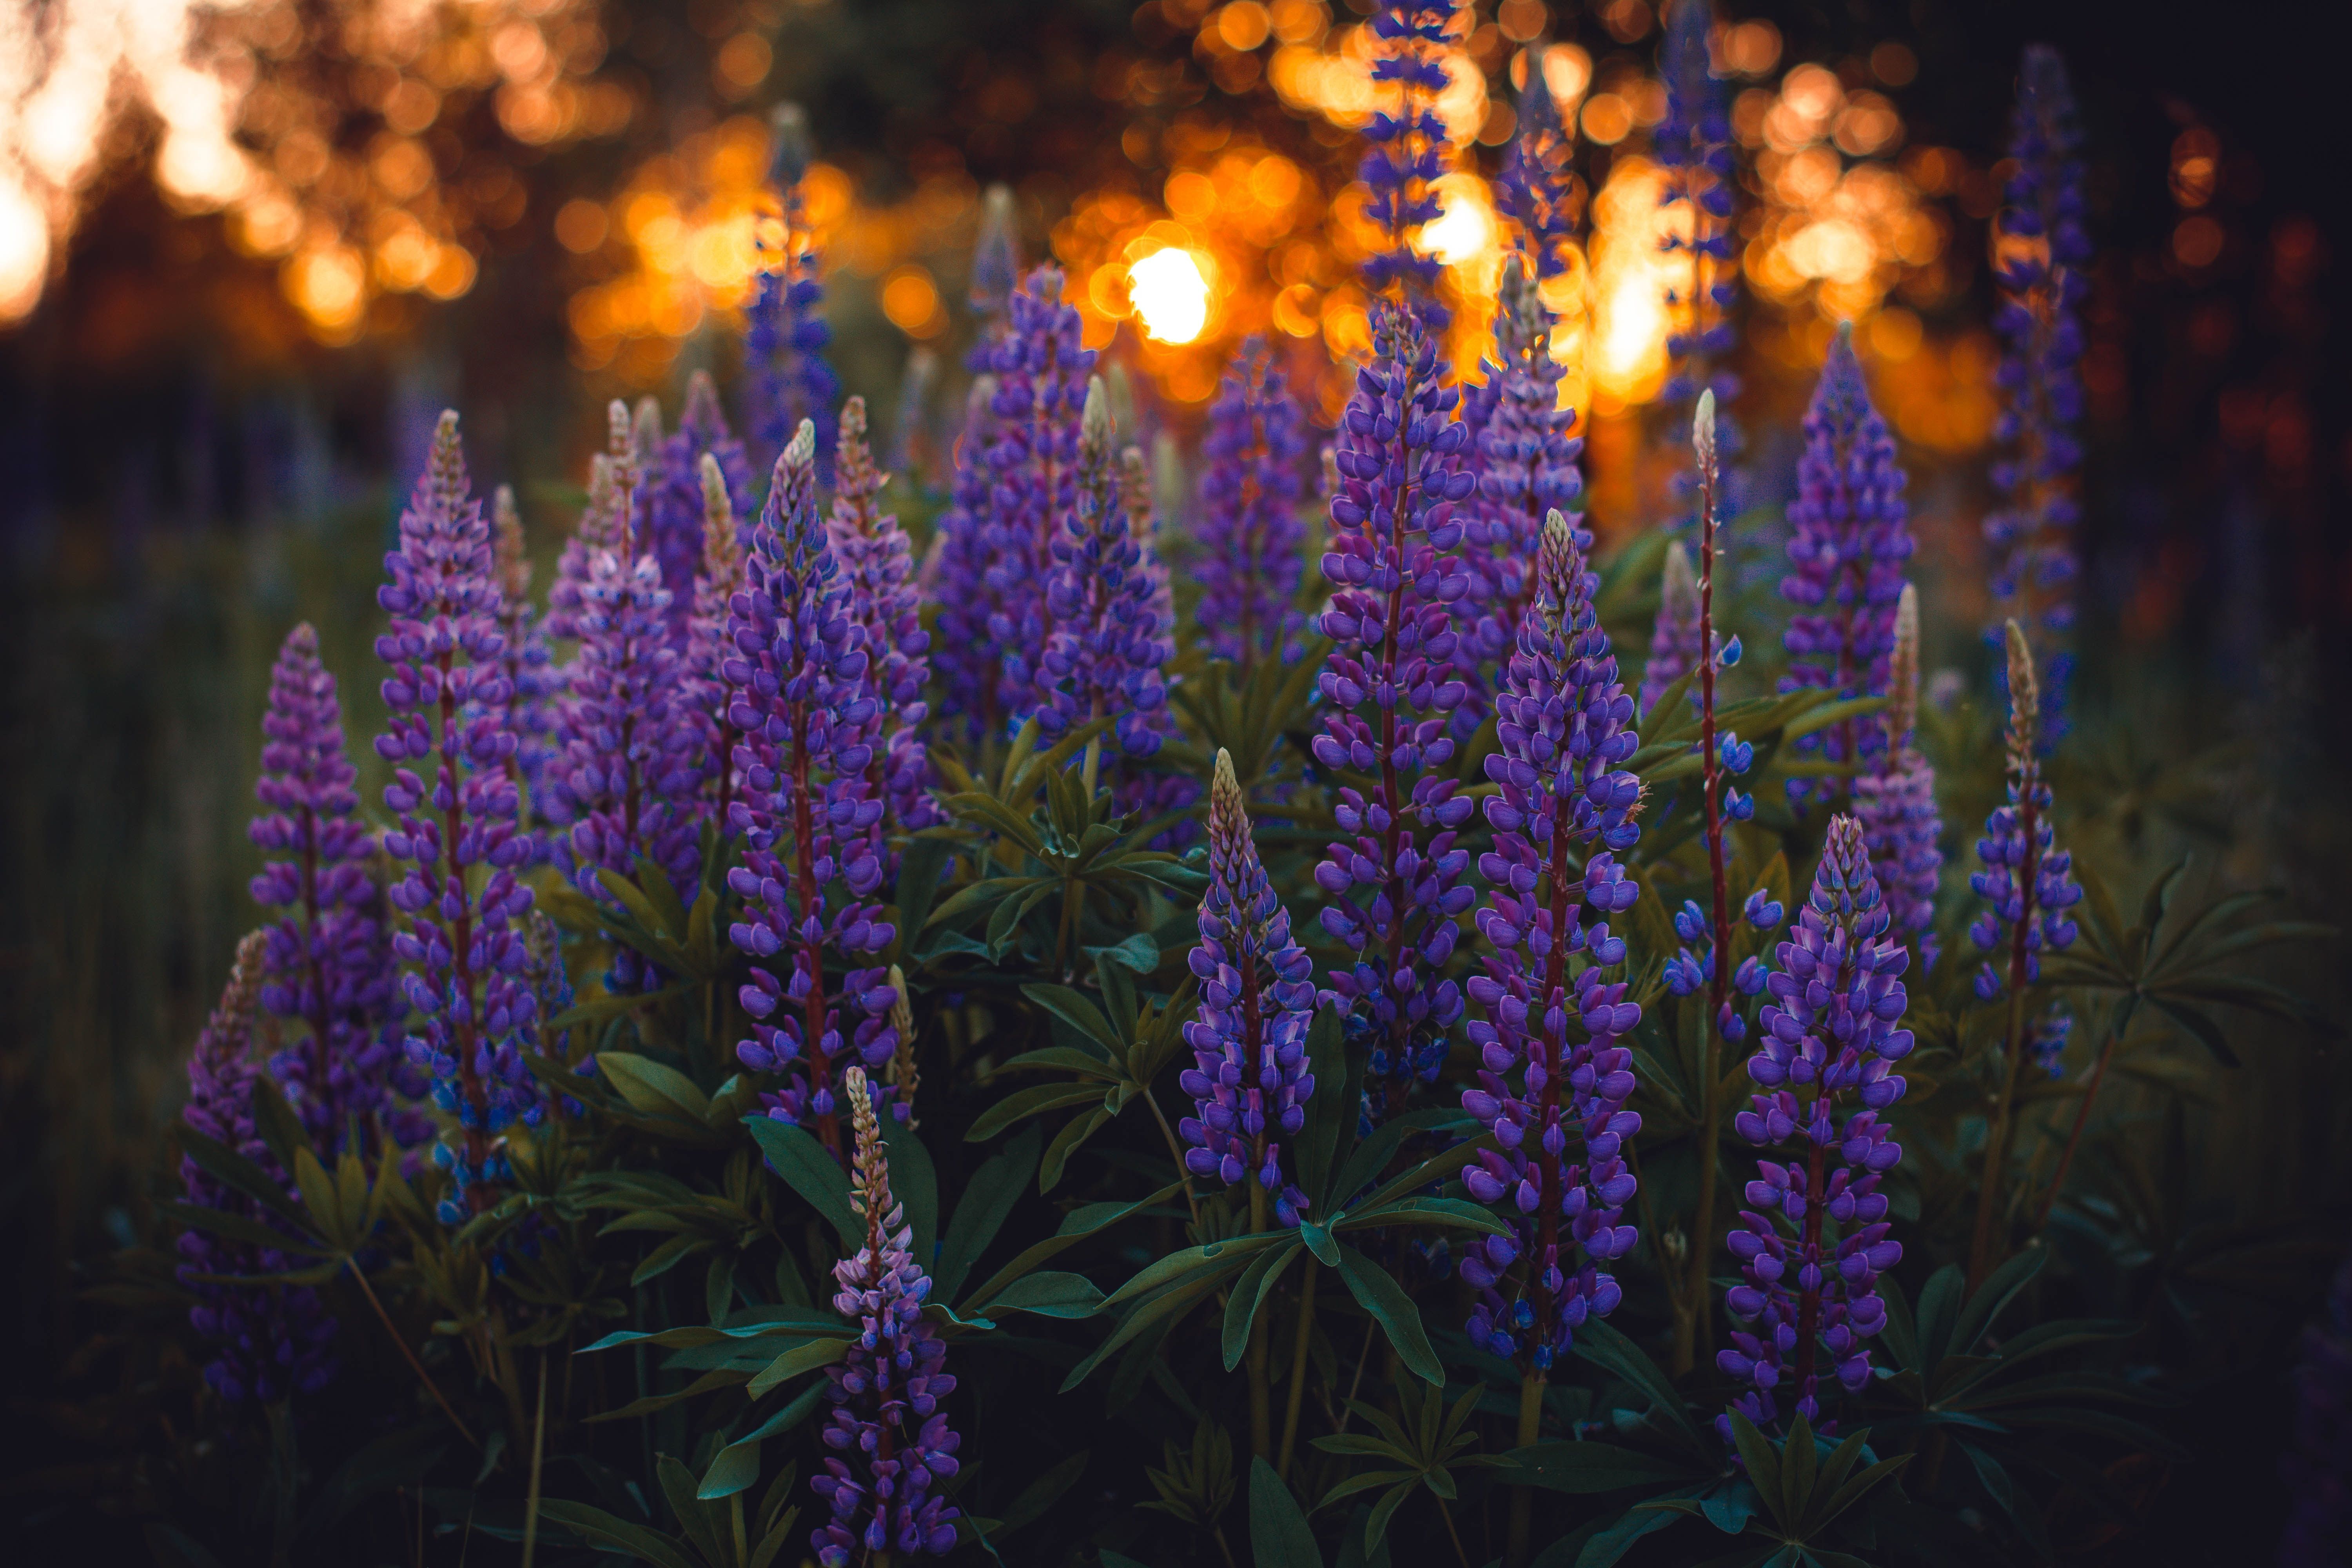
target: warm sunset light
1169 295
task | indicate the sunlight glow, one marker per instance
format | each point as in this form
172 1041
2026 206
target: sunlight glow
1170 294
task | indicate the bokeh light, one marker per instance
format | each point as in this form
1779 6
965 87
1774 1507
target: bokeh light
1169 293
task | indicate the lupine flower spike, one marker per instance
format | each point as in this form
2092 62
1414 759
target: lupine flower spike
1552 1070
1694 145
890 1441
877 564
1814 1239
599 529
464 960
1894 800
1849 543
268 1340
1389 688
1250 1082
1405 152
1674 642
324 961
1539 186
905 1077
2028 885
784 338
797 663
707 648
533 681
1251 537
996 268
2044 256
955 575
624 786
671 510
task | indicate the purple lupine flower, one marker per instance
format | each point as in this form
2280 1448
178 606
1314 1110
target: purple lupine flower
887 1426
1390 689
995 270
323 963
1894 800
877 564
624 784
1143 522
1041 374
446 694
2046 1040
1526 467
1538 180
1673 640
1849 541
1694 148
716 584
671 513
1551 1060
1251 536
797 662
533 681
1103 655
784 337
599 529
2044 256
2028 883
1250 1082
1814 1238
955 575
1405 152
268 1340
2317 1466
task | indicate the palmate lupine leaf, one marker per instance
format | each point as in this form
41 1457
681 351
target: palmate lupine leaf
1421 1448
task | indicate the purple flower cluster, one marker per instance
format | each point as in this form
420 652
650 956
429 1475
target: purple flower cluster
1404 150
1538 180
1814 1239
798 664
1526 466
784 337
2044 258
1251 1082
955 575
885 1425
1103 654
1251 537
1849 541
599 529
1694 146
533 681
1389 687
877 562
715 584
1894 800
462 954
671 510
1673 640
1564 733
995 268
2027 883
325 961
630 763
268 1341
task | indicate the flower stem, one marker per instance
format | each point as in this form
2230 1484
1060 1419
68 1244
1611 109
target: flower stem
2082 1119
2004 1126
1298 1369
1261 1391
1523 1499
417 1366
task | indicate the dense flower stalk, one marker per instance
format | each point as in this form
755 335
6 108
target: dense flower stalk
885 1425
325 962
2044 256
1539 184
268 1340
784 338
1389 688
996 270
1103 655
716 584
671 513
1042 370
1673 640
1405 152
797 663
955 576
623 787
599 529
533 681
1849 541
1250 1082
1814 1239
462 956
1526 467
1552 1067
877 564
1251 537
1694 148
1894 800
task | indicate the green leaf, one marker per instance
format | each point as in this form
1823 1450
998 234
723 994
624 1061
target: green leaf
654 1089
922 870
1606 1347
1984 1308
1580 1468
1077 1227
599 1529
1221 1260
1609 1546
988 1199
1364 1164
1940 1310
808 1357
802 1161
1377 1291
280 1129
1037 1499
2198 1026
1138 952
913 1181
1279 1537
1022 1105
1248 1295
1331 1114
1049 1294
217 1158
1080 1014
1162 1311
735 1468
